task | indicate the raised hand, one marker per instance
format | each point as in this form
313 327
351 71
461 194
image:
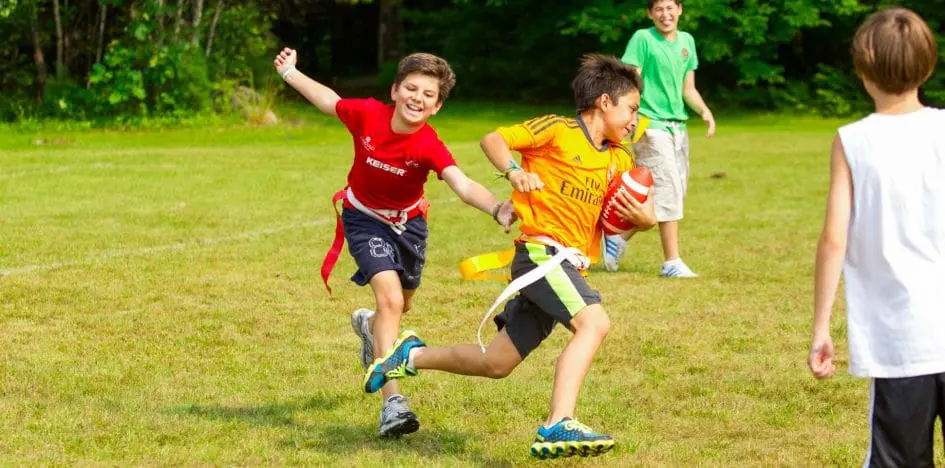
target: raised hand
285 60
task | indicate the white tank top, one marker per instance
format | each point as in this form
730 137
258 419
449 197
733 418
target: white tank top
895 260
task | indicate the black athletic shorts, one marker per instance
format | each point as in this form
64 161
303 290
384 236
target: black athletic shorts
902 420
558 297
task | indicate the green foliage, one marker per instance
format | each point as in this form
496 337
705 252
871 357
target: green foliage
745 35
497 54
150 79
789 54
242 45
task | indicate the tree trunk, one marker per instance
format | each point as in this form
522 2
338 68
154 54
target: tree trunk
198 13
101 33
213 26
178 18
38 57
159 16
390 32
59 41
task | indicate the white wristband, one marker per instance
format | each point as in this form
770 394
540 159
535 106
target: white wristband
287 71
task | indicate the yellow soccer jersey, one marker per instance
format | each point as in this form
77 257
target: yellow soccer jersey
575 174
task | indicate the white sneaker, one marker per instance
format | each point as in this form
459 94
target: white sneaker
677 269
360 323
613 248
397 419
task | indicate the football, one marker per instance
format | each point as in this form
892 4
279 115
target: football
637 183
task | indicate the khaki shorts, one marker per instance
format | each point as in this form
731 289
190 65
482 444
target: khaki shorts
666 156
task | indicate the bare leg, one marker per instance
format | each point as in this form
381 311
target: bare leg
590 326
389 300
500 358
669 236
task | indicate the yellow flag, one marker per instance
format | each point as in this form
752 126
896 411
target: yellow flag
488 266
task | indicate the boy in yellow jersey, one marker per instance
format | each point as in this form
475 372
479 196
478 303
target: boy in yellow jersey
559 190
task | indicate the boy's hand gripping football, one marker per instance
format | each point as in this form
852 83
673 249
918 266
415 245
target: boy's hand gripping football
642 215
525 181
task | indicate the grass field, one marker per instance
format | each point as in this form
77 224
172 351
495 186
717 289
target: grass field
160 304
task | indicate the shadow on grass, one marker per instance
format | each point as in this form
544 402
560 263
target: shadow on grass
439 444
273 414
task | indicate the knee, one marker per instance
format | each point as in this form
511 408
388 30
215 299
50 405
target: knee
496 369
592 320
392 303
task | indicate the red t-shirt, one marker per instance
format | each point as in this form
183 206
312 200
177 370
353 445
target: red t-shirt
389 169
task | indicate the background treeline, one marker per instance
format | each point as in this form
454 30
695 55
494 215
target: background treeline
132 59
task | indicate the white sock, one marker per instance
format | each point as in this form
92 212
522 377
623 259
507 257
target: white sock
676 261
397 395
410 356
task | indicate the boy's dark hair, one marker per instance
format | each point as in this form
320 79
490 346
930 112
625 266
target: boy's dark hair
651 3
895 50
603 74
430 65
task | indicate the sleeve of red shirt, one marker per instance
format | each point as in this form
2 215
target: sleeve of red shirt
438 155
351 112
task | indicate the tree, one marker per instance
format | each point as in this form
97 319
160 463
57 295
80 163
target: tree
198 14
213 26
57 17
390 27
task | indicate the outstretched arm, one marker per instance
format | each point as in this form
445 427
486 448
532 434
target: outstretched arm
474 194
694 99
323 97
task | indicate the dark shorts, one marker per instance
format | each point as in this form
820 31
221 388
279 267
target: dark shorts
557 298
376 247
902 420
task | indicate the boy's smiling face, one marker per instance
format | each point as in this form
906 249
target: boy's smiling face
416 99
665 15
620 115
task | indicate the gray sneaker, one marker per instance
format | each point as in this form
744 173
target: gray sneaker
397 419
360 322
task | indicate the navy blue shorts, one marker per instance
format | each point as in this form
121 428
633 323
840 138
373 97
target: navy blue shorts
376 247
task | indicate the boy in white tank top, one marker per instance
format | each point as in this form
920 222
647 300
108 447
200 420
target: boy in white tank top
885 228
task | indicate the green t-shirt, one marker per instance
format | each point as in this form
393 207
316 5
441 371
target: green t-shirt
664 66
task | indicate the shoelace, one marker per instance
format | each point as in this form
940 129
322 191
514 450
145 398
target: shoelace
574 425
396 407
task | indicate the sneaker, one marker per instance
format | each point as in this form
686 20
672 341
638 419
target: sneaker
360 322
397 419
567 438
676 269
394 365
613 248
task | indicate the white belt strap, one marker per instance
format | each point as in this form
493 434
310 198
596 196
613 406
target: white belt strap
571 254
384 215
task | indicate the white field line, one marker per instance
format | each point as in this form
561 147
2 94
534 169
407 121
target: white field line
107 256
56 170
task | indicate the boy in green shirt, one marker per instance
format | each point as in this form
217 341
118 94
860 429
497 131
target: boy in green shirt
667 60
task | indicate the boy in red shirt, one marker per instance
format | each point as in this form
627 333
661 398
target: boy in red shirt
384 210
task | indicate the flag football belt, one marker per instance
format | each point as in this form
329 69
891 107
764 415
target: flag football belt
395 219
570 254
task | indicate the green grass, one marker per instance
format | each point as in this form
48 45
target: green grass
161 305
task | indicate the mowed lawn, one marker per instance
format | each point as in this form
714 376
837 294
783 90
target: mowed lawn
160 304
